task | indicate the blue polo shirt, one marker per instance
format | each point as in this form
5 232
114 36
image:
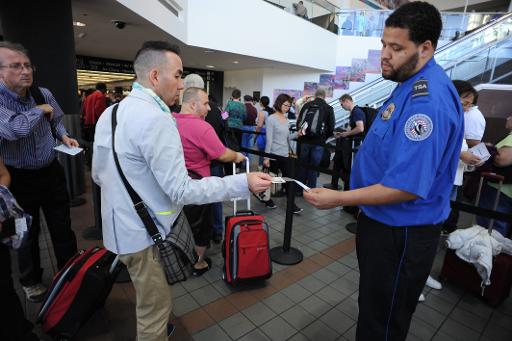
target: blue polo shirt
414 146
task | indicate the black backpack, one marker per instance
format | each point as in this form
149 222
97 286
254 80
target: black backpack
313 116
369 115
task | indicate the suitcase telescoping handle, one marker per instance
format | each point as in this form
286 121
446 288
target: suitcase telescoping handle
248 198
494 178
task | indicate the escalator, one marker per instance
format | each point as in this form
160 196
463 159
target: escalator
483 56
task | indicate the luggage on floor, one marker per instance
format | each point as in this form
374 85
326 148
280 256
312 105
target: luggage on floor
464 274
77 291
246 246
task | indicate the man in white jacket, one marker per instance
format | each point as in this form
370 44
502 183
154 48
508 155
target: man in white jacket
151 157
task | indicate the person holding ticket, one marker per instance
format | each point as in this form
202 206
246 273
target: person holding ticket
28 134
402 175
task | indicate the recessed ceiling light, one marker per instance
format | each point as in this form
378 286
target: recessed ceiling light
210 66
79 24
208 51
235 62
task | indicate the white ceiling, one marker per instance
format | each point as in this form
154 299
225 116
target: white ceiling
103 39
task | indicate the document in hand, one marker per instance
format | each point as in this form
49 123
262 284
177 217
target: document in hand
481 151
67 150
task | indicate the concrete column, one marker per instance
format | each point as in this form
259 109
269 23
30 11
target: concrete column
45 29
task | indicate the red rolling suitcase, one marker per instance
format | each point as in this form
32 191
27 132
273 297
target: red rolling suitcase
246 246
77 291
464 274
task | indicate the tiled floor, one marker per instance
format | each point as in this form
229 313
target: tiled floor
313 300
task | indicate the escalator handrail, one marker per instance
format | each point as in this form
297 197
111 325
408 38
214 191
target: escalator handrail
443 48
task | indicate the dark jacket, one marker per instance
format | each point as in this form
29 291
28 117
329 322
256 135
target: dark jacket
214 117
327 117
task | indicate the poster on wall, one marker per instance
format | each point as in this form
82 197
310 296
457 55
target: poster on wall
358 70
342 77
326 80
292 93
373 61
310 88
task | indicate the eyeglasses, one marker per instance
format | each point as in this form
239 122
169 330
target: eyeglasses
467 104
18 67
287 105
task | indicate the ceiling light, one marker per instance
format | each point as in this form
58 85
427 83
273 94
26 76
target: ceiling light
210 66
235 62
79 24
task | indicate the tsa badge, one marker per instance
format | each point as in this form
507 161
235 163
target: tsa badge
418 127
386 114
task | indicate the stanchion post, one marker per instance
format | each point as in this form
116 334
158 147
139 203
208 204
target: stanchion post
286 254
336 168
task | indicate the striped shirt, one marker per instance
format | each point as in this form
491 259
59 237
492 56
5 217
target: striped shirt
26 139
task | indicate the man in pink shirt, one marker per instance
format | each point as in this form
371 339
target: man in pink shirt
201 145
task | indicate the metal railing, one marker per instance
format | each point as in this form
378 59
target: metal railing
477 53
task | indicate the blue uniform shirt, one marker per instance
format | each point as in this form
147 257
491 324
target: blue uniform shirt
414 146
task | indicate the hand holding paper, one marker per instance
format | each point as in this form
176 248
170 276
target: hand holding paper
480 150
68 150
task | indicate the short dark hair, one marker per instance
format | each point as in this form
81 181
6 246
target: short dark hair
422 20
346 97
236 94
157 46
247 98
151 54
280 101
465 88
265 101
101 86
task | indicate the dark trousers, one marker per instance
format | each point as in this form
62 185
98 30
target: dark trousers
311 155
13 325
394 263
44 189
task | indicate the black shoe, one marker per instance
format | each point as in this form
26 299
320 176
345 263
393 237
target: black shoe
270 204
217 238
297 210
200 272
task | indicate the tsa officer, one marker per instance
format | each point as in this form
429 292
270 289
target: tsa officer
402 175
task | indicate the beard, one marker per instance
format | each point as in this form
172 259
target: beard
403 72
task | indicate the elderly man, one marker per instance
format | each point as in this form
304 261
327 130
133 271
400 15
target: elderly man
151 157
28 133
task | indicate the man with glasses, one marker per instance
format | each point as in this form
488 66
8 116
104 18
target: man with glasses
474 121
28 134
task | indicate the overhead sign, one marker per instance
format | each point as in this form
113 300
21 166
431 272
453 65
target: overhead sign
104 65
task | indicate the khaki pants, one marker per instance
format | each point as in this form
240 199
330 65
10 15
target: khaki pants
152 292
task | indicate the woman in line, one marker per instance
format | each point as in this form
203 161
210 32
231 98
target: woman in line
278 140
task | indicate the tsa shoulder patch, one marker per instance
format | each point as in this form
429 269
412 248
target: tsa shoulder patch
420 88
418 127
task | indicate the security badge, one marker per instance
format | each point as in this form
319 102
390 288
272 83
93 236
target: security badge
386 114
420 88
418 127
